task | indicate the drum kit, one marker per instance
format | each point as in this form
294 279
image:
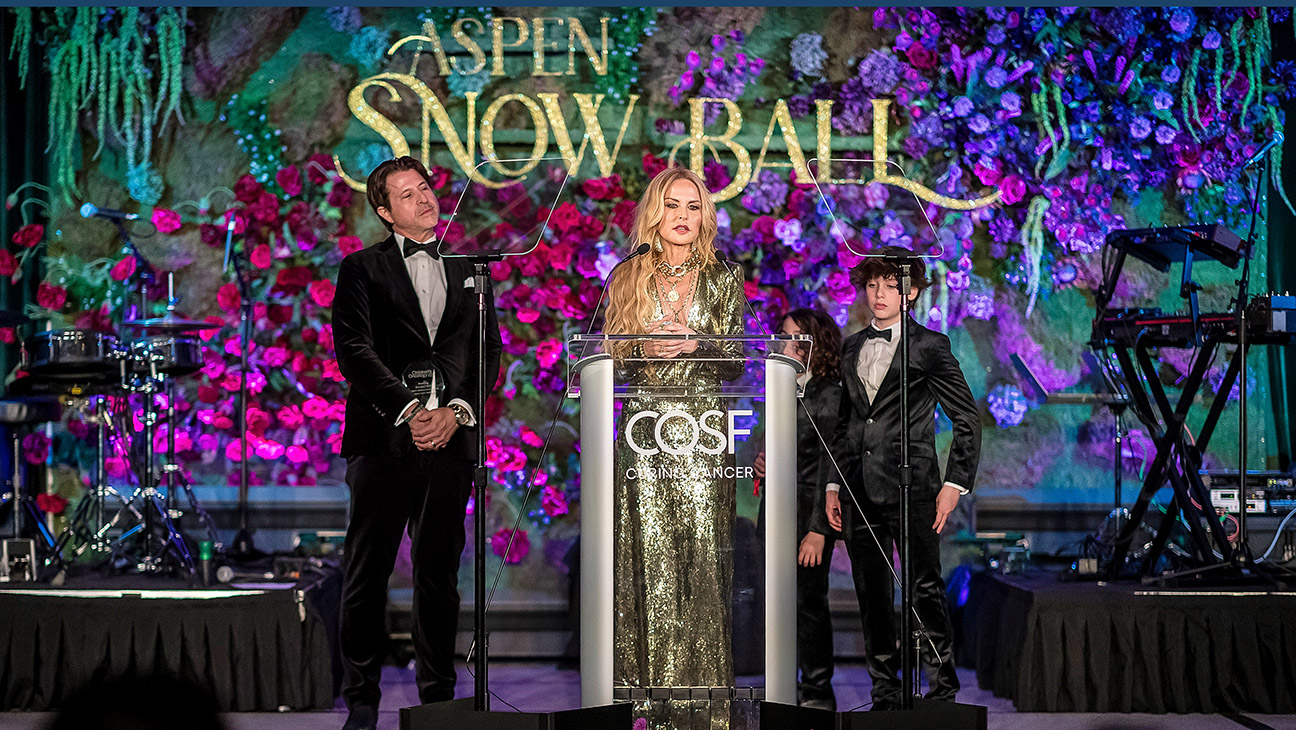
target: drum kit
124 386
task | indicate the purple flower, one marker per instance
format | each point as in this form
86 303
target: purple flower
1182 21
799 106
1171 74
996 77
1161 100
693 60
808 55
980 306
879 72
995 12
1007 405
1140 128
756 66
979 124
1166 134
717 43
717 65
1003 230
1212 40
957 280
995 35
962 106
876 195
1010 102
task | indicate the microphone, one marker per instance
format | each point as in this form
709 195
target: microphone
1276 140
640 250
90 210
226 574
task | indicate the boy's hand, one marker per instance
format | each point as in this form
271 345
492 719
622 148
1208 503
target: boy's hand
810 552
832 505
946 501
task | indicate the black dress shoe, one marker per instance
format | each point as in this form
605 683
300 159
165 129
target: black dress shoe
362 718
820 703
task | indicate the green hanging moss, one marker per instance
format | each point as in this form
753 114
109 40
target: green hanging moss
123 64
22 42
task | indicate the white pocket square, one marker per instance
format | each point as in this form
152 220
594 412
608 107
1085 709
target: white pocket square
468 283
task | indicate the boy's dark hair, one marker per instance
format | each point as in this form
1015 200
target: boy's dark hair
825 355
376 187
875 267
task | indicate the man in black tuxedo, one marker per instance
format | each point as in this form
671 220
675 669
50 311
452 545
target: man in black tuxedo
405 329
866 446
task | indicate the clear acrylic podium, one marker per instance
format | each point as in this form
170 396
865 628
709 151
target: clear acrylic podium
739 377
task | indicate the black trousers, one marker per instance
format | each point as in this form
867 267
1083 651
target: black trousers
814 624
875 589
426 492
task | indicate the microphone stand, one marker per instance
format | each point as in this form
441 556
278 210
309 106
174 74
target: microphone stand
909 682
243 548
1242 556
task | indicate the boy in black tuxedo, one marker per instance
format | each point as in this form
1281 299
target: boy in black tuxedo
866 446
405 327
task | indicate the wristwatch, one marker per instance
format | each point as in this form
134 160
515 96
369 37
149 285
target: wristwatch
461 414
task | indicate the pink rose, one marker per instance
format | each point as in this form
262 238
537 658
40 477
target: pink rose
290 180
517 552
165 220
29 235
322 291
290 417
349 244
553 501
261 257
50 296
227 297
8 263
1013 189
297 455
122 270
548 353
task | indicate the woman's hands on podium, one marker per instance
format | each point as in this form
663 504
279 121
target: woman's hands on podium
669 348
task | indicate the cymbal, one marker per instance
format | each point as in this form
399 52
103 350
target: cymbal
171 323
10 318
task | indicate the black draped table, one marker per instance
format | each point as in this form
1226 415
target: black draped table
255 647
1123 647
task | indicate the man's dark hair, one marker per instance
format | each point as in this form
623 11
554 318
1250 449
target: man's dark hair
825 355
875 267
376 187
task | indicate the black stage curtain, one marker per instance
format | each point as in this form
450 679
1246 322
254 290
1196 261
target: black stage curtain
253 653
1083 647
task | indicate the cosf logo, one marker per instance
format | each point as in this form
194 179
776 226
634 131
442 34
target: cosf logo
703 433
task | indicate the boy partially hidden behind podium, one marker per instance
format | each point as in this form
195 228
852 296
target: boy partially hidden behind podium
866 446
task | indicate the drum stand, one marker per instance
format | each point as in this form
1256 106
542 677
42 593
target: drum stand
90 521
156 509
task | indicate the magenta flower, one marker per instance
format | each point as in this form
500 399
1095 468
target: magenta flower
553 501
517 552
166 221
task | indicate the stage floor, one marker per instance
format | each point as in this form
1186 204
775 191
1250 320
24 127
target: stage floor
541 686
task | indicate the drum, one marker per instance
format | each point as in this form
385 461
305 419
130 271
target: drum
70 354
175 355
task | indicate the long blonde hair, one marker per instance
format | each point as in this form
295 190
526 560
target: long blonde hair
630 303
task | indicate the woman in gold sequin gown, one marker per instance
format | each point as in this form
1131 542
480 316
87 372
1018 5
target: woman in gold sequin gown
675 516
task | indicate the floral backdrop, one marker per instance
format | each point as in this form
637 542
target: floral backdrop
1086 121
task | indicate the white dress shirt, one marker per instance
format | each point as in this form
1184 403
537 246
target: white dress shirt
874 361
428 277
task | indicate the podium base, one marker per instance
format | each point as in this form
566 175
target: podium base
925 715
459 714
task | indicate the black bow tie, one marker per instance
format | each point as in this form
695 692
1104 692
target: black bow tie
873 332
429 248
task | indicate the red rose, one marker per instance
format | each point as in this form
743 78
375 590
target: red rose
8 263
290 180
166 221
339 195
321 292
29 235
265 209
438 177
316 175
349 244
240 222
920 56
451 233
227 297
604 188
623 215
653 165
211 235
293 279
208 393
51 504
50 296
8 335
122 270
279 313
261 257
565 217
247 189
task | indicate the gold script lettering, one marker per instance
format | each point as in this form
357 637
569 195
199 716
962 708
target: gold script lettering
699 141
880 173
497 40
488 133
